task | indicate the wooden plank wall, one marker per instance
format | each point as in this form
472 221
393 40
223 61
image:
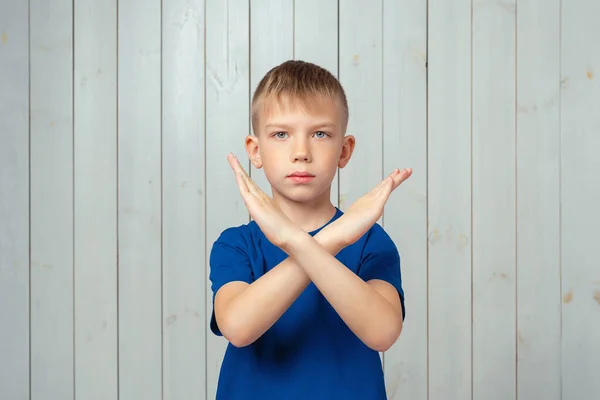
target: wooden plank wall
115 121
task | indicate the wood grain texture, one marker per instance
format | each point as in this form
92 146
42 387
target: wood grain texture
51 163
580 196
405 216
227 124
493 207
95 197
183 194
14 201
538 196
140 222
449 200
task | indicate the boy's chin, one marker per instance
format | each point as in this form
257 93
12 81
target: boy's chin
302 194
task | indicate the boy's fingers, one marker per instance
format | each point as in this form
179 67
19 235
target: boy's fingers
252 186
384 182
402 176
242 184
249 184
235 164
232 163
240 174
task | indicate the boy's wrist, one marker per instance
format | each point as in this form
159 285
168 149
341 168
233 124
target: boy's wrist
294 240
290 237
333 235
331 238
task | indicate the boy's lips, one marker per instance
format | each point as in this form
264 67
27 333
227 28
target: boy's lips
301 176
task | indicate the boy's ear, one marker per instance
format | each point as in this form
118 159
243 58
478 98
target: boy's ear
252 150
347 150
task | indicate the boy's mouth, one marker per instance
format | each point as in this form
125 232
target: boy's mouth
301 176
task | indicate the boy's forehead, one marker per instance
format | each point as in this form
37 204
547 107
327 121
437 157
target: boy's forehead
321 106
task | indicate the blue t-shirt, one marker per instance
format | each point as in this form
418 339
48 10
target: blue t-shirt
309 353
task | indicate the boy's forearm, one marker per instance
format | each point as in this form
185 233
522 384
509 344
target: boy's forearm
366 312
252 312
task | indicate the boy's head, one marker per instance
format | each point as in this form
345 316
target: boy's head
301 83
299 119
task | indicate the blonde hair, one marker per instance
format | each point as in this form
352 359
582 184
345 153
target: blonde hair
301 81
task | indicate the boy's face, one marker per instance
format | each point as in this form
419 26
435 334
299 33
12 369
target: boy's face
300 148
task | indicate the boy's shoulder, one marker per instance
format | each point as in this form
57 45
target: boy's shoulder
238 234
377 239
238 238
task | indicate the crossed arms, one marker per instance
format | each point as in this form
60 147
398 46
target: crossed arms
371 309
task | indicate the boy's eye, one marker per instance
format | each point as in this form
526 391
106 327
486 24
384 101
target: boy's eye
320 134
280 135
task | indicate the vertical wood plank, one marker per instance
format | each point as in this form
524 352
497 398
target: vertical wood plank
449 199
405 217
51 199
95 197
538 195
184 191
316 41
360 49
271 43
580 196
494 230
139 171
227 124
14 201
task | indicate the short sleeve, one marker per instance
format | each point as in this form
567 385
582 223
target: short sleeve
381 260
228 263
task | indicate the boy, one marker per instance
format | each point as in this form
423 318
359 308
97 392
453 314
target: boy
306 295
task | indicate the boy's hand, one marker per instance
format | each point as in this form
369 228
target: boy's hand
365 212
276 226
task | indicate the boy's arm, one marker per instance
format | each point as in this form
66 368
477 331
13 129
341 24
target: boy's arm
244 312
372 309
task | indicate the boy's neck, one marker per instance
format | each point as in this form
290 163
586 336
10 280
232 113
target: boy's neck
308 216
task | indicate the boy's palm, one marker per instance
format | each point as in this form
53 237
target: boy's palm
365 211
276 226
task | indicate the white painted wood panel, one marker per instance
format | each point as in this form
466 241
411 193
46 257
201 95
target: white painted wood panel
405 218
493 207
227 124
135 105
580 197
139 179
51 163
271 43
538 200
14 200
95 198
183 198
449 200
360 72
316 41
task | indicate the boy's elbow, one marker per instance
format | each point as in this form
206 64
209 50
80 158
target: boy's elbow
382 340
239 340
237 335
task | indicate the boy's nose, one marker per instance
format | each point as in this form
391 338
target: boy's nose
301 152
